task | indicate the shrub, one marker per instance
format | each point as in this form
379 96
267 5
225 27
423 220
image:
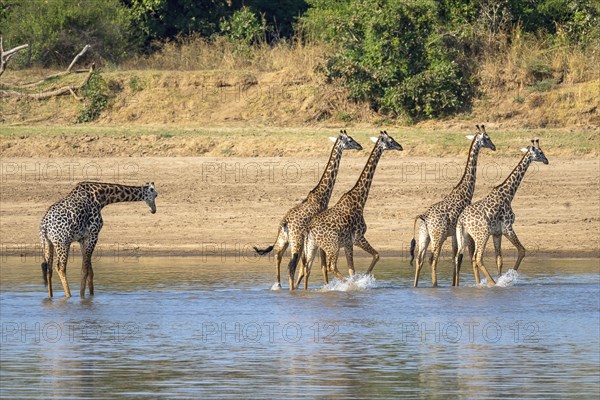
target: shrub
243 28
96 97
57 30
397 55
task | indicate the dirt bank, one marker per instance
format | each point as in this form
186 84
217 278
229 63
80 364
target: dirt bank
223 206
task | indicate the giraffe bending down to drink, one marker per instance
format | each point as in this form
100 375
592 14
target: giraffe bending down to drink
439 221
78 218
343 225
493 215
294 223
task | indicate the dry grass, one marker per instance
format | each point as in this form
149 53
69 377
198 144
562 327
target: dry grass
518 61
195 53
539 81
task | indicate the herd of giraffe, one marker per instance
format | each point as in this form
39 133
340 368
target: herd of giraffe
312 227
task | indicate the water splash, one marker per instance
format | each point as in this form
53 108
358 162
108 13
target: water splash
356 283
276 286
509 278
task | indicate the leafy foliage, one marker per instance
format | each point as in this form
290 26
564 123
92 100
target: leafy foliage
96 96
397 55
164 19
57 30
243 28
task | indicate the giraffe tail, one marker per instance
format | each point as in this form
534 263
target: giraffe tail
45 272
413 242
267 250
262 252
296 256
44 262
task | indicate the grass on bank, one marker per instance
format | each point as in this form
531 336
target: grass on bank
270 141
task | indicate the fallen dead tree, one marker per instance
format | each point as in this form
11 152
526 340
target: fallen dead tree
27 90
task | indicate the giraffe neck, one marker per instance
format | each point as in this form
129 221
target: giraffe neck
466 186
322 192
360 191
108 193
508 188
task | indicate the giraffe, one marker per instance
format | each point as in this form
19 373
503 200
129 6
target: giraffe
292 226
78 217
493 215
343 225
439 221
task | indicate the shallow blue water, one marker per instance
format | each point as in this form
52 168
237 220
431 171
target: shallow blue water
191 327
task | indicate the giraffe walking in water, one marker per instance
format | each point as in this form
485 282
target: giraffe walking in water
493 215
343 225
78 218
294 223
439 221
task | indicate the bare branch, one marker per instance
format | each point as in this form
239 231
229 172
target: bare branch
6 55
74 95
81 53
53 93
63 73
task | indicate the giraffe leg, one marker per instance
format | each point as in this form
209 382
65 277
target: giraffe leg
350 260
332 264
62 254
364 244
302 272
466 239
472 249
309 257
455 268
324 267
87 274
84 270
435 255
498 248
479 260
280 252
512 237
297 254
91 279
49 256
423 243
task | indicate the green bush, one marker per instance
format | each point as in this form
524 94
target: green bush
96 96
400 56
437 91
243 28
57 30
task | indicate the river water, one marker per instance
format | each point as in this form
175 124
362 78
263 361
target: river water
211 327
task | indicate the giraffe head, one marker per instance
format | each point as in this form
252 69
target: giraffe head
386 141
535 151
149 194
482 138
346 141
